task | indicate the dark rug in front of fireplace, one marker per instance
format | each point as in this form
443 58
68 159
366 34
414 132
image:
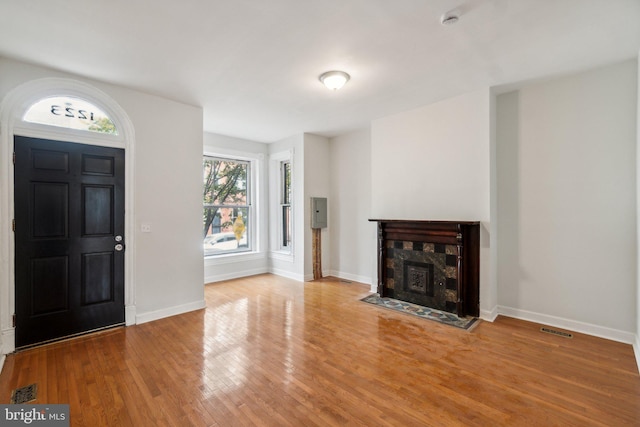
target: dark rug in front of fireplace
422 312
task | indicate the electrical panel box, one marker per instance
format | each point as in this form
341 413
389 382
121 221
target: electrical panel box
318 212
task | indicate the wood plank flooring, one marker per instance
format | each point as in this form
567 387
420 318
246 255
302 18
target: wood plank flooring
269 351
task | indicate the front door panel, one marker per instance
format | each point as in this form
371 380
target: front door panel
69 208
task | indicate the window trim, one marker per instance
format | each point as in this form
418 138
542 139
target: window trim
276 250
285 202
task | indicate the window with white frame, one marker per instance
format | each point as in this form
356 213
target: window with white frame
285 204
227 208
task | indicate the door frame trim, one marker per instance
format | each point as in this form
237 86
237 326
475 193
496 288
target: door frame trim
12 109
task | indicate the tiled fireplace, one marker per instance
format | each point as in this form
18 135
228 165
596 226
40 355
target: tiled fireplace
430 263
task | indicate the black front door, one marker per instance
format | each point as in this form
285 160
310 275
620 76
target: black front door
69 234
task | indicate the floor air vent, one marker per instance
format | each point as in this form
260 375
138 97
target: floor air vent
558 333
24 394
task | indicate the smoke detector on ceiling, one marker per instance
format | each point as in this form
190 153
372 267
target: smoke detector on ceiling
449 18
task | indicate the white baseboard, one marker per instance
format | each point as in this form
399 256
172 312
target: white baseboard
2 356
169 311
130 315
489 315
351 277
572 325
287 274
8 341
636 350
235 275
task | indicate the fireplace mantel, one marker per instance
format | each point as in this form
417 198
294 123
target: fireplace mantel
431 263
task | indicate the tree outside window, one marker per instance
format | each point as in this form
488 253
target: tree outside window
227 207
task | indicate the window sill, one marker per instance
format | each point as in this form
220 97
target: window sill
233 258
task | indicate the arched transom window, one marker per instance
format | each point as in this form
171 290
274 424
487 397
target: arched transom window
71 113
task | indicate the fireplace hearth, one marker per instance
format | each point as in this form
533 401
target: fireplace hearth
430 263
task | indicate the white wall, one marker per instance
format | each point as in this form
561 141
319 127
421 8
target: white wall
433 163
353 237
168 151
230 267
567 201
168 192
316 184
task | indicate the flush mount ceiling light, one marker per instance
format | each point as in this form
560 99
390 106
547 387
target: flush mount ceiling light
334 79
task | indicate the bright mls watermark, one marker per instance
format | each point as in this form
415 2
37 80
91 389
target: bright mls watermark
34 415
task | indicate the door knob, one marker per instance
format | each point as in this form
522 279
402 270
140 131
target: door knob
119 247
118 238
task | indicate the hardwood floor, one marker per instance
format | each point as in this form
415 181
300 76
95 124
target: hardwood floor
269 351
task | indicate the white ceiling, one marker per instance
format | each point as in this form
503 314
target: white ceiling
254 65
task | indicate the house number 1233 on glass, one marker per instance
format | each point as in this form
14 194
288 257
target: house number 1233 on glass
69 111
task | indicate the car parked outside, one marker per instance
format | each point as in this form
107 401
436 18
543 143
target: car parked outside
223 242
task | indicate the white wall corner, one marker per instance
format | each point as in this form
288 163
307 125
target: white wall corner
636 351
636 344
571 325
2 358
493 205
489 315
169 311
